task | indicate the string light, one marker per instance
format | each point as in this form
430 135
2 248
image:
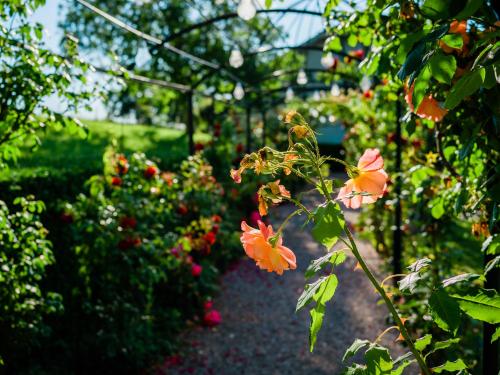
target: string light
238 92
316 96
246 10
327 60
289 94
302 77
335 91
365 84
236 58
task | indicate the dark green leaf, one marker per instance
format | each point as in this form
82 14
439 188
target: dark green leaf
335 258
442 67
445 311
354 348
465 87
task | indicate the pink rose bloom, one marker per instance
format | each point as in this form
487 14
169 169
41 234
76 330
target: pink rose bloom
208 305
196 269
368 181
212 318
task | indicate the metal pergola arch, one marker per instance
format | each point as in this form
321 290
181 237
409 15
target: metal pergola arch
217 67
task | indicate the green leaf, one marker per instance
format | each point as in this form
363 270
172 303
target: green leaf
437 211
445 344
420 87
436 9
460 278
317 315
333 43
423 342
420 264
453 40
442 67
410 282
465 86
494 263
469 9
326 290
321 291
445 311
484 305
329 224
450 366
269 3
354 348
378 360
335 258
496 335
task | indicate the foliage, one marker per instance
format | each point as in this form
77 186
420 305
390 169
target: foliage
446 301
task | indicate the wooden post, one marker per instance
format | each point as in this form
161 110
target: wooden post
189 121
398 216
249 128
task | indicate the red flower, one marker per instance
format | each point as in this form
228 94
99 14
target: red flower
116 181
417 143
210 237
196 270
212 318
128 222
67 217
215 228
208 305
239 148
129 242
199 146
182 209
359 53
150 171
216 219
368 94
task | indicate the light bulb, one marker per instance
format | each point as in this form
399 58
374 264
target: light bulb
316 96
301 77
289 94
238 92
335 91
327 60
365 84
246 10
236 58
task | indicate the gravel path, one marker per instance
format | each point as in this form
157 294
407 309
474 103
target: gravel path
261 333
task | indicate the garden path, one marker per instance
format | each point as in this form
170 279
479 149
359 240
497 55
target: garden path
260 332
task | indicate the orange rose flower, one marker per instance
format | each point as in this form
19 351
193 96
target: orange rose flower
368 180
457 27
429 107
256 243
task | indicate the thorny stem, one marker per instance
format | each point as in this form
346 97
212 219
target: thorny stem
388 302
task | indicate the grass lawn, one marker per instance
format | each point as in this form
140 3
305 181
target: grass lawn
62 151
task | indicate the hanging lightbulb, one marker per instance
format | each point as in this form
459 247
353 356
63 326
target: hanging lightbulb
246 10
365 84
316 96
301 77
327 60
236 58
335 91
289 94
238 92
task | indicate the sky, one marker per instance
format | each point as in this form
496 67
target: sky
300 28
